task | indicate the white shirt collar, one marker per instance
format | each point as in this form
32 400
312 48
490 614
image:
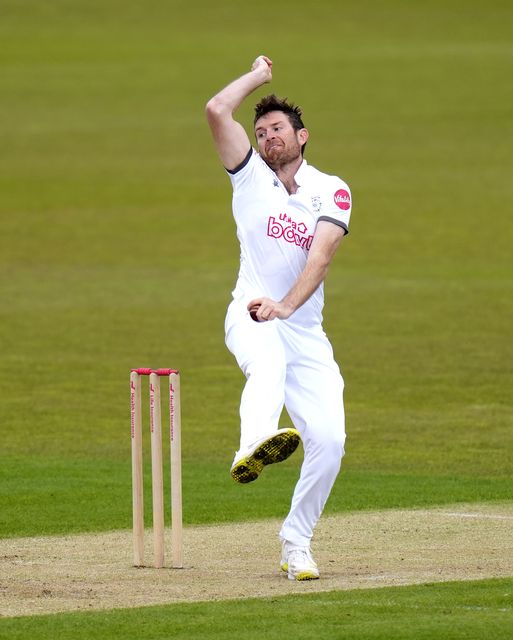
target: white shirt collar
300 173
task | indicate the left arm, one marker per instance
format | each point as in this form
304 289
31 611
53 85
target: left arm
327 237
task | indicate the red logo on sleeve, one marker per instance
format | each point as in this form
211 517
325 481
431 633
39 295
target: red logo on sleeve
342 199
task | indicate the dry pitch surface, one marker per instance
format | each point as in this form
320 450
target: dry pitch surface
358 550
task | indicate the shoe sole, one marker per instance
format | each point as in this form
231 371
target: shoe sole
275 449
304 575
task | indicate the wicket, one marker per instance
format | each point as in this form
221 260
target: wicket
156 466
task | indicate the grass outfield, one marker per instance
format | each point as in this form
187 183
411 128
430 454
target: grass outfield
58 498
117 249
453 610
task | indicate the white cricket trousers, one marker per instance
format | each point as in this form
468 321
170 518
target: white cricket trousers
289 365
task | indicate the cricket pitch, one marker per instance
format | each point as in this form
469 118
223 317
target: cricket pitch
221 562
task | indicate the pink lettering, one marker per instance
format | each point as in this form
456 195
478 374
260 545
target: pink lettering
132 409
289 235
294 234
274 229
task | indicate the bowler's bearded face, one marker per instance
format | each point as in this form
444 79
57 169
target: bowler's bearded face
278 142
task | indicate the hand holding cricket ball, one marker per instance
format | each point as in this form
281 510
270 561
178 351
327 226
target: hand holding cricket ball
265 309
264 65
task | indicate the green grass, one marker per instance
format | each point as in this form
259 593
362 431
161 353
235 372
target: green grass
457 610
117 249
59 497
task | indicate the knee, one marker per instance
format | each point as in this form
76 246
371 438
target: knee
336 444
328 446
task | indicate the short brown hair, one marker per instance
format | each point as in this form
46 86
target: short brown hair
273 103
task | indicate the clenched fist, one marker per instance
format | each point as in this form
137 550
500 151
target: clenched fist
263 65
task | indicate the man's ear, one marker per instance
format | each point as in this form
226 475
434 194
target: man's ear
303 136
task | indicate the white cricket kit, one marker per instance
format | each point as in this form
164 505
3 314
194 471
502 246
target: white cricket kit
287 362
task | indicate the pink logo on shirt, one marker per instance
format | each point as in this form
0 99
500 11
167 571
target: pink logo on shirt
342 199
289 231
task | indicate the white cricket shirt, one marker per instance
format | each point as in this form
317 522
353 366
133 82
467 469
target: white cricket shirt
275 229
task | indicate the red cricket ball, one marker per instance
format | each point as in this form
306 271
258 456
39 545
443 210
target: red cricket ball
253 312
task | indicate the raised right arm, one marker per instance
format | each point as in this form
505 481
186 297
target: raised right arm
230 138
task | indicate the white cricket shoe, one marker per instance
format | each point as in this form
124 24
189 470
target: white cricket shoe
274 448
298 562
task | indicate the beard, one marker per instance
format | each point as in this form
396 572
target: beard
279 155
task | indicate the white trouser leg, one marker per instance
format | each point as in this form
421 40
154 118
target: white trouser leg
314 400
259 352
